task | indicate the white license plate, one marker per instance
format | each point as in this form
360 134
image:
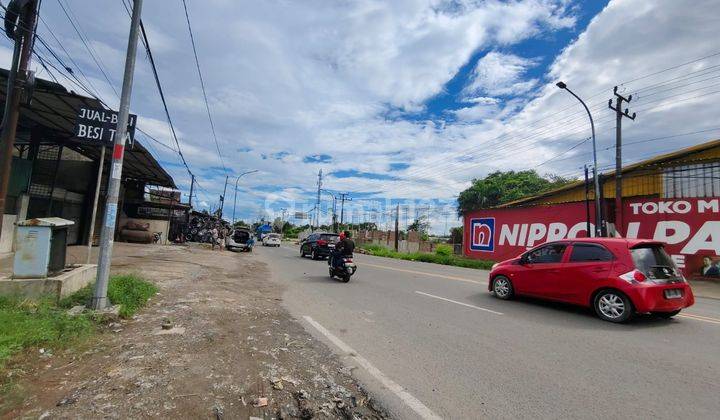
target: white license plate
673 293
331 246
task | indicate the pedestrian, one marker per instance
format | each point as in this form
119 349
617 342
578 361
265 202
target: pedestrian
214 237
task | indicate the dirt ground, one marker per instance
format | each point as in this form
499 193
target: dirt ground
231 344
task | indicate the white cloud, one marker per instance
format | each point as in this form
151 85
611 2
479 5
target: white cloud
339 78
500 74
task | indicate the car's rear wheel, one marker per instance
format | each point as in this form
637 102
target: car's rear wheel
503 288
613 306
666 315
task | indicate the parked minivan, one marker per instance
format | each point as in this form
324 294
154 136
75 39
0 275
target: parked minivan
616 277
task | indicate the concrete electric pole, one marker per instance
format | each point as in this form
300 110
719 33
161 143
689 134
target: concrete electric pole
619 114
100 300
343 197
222 197
317 203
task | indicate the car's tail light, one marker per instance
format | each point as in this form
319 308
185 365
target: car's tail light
634 276
321 242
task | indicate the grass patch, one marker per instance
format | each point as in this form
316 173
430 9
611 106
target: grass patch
26 324
129 291
443 255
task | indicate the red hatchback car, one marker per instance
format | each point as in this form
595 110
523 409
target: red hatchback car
616 277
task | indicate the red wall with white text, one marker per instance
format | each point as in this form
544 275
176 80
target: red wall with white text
690 228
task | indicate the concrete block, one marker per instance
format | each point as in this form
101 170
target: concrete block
8 233
64 284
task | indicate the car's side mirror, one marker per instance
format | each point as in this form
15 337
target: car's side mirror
525 259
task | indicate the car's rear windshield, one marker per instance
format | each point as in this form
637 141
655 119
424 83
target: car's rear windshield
653 261
241 235
273 235
329 237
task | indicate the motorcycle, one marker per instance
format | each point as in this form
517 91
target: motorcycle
343 270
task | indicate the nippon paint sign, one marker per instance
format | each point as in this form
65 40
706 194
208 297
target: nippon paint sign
690 228
499 234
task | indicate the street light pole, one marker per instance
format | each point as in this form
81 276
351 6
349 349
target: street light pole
598 214
236 187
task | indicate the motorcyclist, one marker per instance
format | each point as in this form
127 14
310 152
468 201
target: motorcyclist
343 248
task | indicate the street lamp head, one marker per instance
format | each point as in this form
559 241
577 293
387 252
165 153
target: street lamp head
561 85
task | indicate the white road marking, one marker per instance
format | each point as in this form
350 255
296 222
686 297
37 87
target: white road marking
459 303
442 276
418 407
700 318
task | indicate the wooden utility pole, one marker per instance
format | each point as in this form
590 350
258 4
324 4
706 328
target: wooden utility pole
619 114
20 23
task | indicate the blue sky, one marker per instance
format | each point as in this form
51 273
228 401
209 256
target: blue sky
398 102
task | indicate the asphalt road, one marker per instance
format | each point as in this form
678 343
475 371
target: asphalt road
429 340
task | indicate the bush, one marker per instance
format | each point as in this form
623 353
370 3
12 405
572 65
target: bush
129 291
25 324
443 255
445 250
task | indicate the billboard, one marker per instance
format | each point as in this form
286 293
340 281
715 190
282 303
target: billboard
689 227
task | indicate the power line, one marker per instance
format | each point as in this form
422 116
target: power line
202 85
90 50
162 94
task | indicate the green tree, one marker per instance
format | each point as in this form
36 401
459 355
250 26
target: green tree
502 187
456 235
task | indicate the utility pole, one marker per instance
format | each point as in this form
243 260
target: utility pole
23 19
406 210
446 214
192 184
99 300
343 197
588 232
397 226
317 204
222 197
619 114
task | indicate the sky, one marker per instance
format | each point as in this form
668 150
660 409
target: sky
398 102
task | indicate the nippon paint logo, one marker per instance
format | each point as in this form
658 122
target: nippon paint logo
482 234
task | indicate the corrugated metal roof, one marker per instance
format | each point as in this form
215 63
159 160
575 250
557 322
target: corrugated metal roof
54 109
657 160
